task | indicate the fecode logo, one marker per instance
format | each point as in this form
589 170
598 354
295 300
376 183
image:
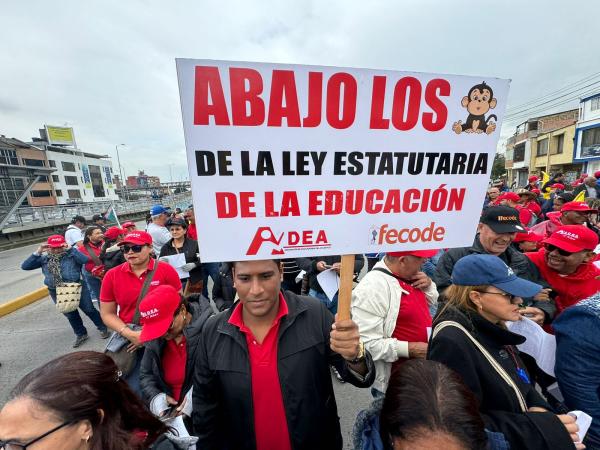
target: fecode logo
387 235
287 241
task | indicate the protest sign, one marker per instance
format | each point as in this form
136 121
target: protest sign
289 161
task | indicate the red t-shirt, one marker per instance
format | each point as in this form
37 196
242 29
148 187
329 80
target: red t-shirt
173 362
413 318
270 423
192 232
97 248
122 286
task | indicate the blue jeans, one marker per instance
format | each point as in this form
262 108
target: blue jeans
332 305
212 270
86 305
93 284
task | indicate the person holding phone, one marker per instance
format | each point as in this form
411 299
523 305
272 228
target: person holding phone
61 263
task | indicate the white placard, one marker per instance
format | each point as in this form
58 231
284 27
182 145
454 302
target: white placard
539 344
292 161
329 280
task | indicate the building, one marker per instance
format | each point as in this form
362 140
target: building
79 176
542 143
142 180
20 163
587 134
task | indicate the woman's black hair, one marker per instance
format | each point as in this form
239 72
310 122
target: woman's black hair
426 396
88 232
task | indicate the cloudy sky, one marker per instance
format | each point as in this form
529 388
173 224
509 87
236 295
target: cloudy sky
107 68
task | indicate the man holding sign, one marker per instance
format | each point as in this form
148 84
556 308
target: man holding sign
262 370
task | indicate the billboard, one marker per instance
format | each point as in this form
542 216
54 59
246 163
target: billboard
293 160
60 135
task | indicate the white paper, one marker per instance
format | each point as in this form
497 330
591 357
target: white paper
330 282
428 334
539 344
300 276
177 261
583 420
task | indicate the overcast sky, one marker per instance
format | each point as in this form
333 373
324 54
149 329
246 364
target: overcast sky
107 68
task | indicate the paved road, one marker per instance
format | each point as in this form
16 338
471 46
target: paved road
14 281
37 333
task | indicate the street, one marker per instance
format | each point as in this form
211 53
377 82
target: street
37 333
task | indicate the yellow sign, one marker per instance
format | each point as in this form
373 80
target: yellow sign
60 135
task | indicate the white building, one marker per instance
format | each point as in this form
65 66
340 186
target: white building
80 176
587 134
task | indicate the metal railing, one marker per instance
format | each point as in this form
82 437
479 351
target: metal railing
60 214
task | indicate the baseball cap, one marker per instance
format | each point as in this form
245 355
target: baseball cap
533 178
529 236
159 209
176 221
502 219
477 270
157 310
558 186
509 196
577 206
137 237
597 174
56 240
113 233
96 217
78 219
573 238
128 224
536 191
417 253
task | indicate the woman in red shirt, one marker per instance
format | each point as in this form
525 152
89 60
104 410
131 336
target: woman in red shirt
91 247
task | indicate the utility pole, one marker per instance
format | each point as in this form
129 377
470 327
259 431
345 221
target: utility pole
123 185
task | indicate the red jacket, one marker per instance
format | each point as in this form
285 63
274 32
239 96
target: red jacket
547 227
534 207
571 288
96 248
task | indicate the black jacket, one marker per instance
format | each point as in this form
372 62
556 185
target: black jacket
498 402
111 259
583 187
223 414
223 292
190 248
151 374
517 261
310 266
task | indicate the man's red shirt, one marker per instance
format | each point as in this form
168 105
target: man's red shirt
122 286
96 248
270 422
572 288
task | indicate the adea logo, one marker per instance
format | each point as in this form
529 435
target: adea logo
286 241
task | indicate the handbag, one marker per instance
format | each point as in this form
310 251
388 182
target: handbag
99 269
116 347
67 297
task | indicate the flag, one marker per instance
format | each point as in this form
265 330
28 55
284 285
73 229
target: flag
580 197
111 215
545 179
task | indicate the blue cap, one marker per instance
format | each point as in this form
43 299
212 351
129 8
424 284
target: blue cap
159 209
478 270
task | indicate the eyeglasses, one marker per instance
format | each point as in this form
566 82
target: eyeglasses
506 295
550 248
134 248
11 445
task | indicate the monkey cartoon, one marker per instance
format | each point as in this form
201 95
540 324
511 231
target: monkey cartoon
478 102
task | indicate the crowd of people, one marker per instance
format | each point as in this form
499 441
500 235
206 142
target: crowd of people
248 365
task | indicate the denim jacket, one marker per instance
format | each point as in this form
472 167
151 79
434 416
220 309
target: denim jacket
70 266
578 361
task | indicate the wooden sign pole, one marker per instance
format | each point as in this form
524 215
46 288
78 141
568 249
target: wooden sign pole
345 291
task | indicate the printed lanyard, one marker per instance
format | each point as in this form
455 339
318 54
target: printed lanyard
520 371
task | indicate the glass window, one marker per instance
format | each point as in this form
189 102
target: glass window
71 181
590 142
52 163
68 166
8 156
38 194
34 162
74 193
595 104
55 178
58 193
542 147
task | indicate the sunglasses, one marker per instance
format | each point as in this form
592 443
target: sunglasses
133 248
550 248
506 295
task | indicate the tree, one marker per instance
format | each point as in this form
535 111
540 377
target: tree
498 169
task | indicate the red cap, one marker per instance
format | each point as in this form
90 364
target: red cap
597 174
512 196
113 232
157 310
577 206
530 236
128 225
573 238
584 175
533 178
137 237
417 253
558 186
536 191
56 241
576 183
